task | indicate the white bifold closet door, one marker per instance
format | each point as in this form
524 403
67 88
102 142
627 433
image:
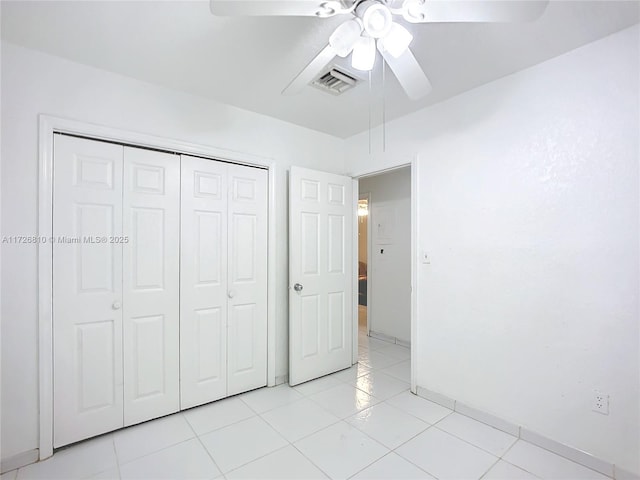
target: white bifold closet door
151 284
223 312
203 282
87 289
115 286
247 279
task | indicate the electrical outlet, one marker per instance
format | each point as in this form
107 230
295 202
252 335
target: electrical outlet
600 403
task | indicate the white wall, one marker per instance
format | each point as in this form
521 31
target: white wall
389 307
34 83
528 205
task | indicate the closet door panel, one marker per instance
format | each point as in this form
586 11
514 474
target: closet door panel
247 289
151 284
87 289
203 282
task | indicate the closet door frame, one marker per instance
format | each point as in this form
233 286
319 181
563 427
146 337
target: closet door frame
50 125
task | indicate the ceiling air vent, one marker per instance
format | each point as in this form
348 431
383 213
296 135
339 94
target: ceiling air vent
335 82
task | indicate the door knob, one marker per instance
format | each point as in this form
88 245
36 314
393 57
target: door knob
116 305
231 294
297 287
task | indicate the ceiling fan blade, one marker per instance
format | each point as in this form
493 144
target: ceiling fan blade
298 8
408 72
448 11
309 72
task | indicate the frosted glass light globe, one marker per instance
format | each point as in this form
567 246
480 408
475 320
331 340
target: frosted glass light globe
377 20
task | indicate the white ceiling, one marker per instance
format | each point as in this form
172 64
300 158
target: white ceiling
248 61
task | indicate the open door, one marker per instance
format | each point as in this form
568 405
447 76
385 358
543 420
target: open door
320 277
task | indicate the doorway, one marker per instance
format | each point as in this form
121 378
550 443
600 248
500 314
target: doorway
384 272
363 262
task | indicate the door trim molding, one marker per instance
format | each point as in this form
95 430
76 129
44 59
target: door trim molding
356 265
48 125
355 283
411 162
366 196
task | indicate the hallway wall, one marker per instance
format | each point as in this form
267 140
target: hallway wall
389 307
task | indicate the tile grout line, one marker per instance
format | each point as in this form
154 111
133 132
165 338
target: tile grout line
309 460
415 416
364 468
268 453
408 460
348 384
473 444
393 450
277 406
154 452
567 458
204 447
340 420
372 439
115 452
223 426
224 474
274 451
513 464
257 458
490 468
498 458
309 434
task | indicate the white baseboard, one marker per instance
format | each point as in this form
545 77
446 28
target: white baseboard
282 379
436 397
574 454
488 418
19 460
388 338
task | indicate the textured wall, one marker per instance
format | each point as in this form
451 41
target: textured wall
34 83
528 207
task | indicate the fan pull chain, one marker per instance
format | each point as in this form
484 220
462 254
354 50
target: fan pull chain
370 113
384 107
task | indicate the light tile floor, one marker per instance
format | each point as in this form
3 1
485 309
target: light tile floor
360 423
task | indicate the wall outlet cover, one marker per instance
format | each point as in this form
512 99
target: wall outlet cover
600 403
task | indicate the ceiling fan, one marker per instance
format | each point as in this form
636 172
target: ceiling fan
372 27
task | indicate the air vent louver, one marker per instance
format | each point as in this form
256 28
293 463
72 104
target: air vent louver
335 82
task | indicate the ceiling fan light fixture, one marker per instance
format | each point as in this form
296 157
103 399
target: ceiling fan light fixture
364 54
344 38
376 18
413 11
328 9
397 41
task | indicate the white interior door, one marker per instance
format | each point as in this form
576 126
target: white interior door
87 289
247 279
203 282
320 263
151 206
